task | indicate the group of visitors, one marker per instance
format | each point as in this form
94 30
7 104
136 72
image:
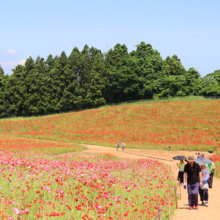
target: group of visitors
197 178
123 145
198 155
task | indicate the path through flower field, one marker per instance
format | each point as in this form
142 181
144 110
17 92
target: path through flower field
50 182
212 212
37 182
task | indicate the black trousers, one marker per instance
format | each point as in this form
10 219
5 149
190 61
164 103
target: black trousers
211 180
180 176
204 196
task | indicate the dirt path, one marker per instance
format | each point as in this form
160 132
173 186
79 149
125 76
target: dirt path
212 212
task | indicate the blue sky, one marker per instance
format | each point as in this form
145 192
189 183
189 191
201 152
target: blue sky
189 29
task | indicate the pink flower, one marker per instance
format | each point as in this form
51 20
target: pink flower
17 211
10 218
99 207
25 211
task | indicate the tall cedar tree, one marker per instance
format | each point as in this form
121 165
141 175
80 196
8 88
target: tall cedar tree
57 83
152 70
118 73
71 99
97 83
84 74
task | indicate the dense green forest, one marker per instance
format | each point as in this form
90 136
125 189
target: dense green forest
91 78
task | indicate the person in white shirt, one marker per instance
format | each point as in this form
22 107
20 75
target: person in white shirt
196 157
204 193
123 145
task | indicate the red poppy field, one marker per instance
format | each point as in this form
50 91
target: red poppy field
183 125
36 147
61 187
38 180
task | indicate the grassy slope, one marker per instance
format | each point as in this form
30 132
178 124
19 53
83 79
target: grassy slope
190 125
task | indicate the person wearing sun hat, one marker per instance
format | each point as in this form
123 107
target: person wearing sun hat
193 177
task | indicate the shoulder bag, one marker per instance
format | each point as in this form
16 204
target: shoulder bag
205 185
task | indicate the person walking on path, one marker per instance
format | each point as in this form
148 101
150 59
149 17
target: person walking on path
204 192
211 168
123 145
181 166
117 145
192 173
196 157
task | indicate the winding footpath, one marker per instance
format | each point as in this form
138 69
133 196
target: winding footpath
207 213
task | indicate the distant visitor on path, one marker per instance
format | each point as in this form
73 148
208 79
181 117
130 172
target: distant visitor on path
123 145
117 145
196 157
181 166
203 191
211 167
193 177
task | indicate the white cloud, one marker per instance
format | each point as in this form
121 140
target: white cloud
13 64
10 51
21 62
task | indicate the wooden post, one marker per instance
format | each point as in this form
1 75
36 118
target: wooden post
159 206
176 198
169 206
180 188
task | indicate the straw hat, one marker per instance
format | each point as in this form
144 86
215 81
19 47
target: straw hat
191 158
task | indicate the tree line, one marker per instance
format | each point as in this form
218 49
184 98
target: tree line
90 78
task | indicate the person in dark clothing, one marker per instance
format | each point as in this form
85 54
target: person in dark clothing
117 145
193 177
181 166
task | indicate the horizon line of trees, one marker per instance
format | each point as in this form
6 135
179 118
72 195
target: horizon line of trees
90 78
